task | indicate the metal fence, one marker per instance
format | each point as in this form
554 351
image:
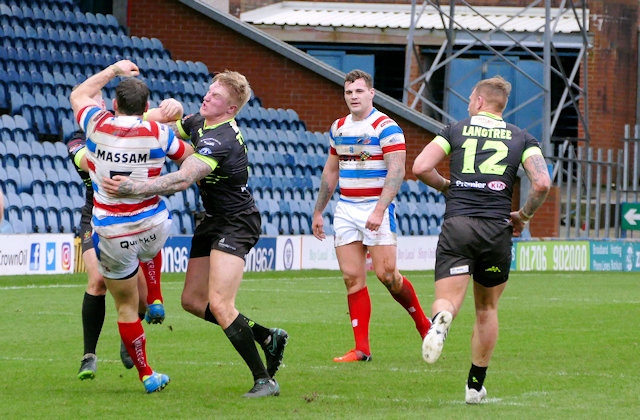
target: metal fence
594 184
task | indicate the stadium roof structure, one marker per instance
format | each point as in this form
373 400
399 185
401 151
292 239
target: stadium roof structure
294 20
532 28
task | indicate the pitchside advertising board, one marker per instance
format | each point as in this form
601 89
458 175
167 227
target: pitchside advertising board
262 257
36 254
552 255
54 254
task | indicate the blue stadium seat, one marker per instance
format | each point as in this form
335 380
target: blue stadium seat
12 148
434 225
14 217
67 223
9 186
53 220
53 200
176 202
15 102
40 222
78 200
188 222
269 229
177 227
10 160
66 201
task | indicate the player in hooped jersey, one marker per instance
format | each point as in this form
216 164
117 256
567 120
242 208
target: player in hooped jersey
151 306
485 153
133 229
367 159
231 226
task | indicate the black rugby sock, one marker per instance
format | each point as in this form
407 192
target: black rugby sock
259 332
93 312
476 377
242 338
208 315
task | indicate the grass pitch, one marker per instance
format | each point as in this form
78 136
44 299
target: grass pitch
568 348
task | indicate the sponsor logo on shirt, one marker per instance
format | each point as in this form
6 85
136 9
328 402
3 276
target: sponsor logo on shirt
497 185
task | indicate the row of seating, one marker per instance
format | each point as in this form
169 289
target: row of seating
414 224
284 194
34 162
45 149
27 219
21 180
35 13
36 199
270 118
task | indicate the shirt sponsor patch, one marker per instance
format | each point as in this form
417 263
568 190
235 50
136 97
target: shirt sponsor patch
463 269
497 185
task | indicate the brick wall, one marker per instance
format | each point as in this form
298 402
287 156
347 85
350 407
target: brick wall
612 68
545 223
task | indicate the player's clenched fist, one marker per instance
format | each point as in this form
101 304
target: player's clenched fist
125 68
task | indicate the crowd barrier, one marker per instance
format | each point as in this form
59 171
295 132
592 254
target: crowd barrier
62 253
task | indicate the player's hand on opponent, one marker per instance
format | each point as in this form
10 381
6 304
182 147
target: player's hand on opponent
118 186
125 68
172 109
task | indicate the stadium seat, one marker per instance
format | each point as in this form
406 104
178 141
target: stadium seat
188 222
177 227
404 224
53 219
433 227
66 220
269 229
66 201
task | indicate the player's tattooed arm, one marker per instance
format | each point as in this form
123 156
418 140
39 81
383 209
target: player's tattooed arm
328 183
395 162
173 126
536 169
191 170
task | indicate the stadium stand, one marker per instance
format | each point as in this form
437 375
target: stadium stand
46 48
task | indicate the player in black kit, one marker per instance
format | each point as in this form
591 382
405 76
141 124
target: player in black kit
231 226
485 153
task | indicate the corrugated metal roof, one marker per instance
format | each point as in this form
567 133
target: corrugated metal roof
398 16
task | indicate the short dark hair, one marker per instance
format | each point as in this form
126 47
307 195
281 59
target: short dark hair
356 74
132 96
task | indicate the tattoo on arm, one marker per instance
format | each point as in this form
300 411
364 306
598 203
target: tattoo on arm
324 195
538 173
395 162
191 170
328 182
174 127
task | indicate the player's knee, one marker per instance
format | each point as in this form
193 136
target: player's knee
389 279
189 305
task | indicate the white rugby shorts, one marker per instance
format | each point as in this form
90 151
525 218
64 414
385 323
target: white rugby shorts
349 221
119 257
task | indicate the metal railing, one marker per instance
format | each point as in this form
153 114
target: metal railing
593 184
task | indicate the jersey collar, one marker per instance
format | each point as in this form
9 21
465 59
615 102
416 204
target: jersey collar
208 127
490 115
